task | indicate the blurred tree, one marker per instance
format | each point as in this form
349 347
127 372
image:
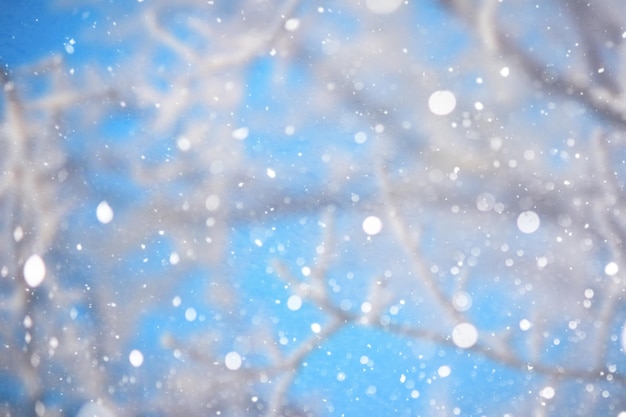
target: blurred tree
287 208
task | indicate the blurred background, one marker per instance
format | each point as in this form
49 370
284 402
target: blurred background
312 208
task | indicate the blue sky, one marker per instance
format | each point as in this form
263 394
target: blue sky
360 370
32 29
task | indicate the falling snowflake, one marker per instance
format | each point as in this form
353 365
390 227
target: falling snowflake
34 271
135 358
233 361
442 102
104 212
372 225
528 221
464 335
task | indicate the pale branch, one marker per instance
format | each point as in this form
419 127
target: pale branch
592 24
412 246
603 213
295 361
164 37
509 360
315 290
605 107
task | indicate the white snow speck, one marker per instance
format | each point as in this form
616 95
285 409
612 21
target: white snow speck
270 173
505 72
360 138
485 202
444 371
464 335
174 258
462 301
18 233
542 262
547 392
54 342
191 314
232 361
341 376
34 271
611 269
372 225
212 202
525 324
241 133
383 6
528 221
69 47
135 358
292 24
183 143
442 102
316 328
529 154
294 303
104 212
